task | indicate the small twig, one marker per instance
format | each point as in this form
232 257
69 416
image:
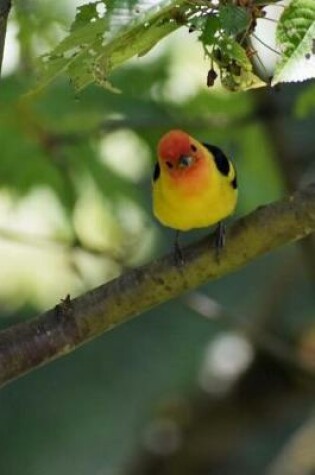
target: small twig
5 7
268 19
265 44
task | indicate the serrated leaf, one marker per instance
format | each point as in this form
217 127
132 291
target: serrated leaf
295 37
233 19
96 45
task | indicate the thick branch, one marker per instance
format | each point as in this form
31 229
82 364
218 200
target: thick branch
5 7
74 322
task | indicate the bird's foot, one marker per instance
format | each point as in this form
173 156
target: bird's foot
219 240
178 255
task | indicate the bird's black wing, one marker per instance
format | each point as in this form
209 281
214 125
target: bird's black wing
156 171
221 161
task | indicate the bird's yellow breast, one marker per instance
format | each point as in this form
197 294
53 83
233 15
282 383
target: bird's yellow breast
194 201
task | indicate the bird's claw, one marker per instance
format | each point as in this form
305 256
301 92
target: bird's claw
178 256
220 235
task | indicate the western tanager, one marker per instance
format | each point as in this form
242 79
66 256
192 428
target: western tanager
194 185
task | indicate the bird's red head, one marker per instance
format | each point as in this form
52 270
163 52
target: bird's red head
180 155
174 144
184 161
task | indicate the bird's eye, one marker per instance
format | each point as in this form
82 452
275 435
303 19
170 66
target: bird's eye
169 164
193 148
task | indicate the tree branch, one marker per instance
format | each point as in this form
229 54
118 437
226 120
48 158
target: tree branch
74 322
5 7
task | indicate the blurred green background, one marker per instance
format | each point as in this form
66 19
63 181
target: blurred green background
216 382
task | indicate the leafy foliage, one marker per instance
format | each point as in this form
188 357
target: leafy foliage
105 34
295 35
98 43
220 28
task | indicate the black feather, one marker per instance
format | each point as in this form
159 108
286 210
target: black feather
156 172
234 183
221 161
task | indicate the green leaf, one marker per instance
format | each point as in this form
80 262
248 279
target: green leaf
97 44
295 36
211 26
232 50
228 19
233 19
85 14
235 66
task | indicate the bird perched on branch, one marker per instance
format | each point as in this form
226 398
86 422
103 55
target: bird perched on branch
194 186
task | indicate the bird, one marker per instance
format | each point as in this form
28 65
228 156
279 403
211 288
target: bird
194 185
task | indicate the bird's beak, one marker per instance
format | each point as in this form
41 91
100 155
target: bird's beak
185 161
